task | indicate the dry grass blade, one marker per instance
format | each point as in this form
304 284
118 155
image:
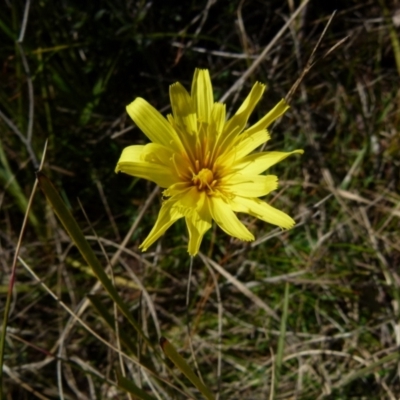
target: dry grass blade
363 372
260 58
311 61
28 388
105 342
239 285
13 272
282 337
184 367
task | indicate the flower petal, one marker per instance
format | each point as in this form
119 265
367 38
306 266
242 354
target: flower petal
218 114
192 200
247 107
248 144
250 185
197 228
270 117
167 216
157 153
202 94
255 164
152 123
130 154
263 211
154 173
183 108
227 220
177 189
131 163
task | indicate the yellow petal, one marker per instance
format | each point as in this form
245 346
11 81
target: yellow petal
197 228
267 120
130 154
247 145
214 131
157 153
247 107
227 219
192 200
182 166
155 173
153 124
131 163
223 148
250 185
177 189
202 94
167 216
257 163
263 211
218 114
183 108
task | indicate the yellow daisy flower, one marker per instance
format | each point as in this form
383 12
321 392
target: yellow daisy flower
204 162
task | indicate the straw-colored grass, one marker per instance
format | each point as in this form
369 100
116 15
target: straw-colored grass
309 313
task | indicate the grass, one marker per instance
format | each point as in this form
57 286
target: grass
310 313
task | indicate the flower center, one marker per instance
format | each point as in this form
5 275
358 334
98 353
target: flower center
204 179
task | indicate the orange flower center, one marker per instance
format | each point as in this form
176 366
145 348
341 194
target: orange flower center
204 179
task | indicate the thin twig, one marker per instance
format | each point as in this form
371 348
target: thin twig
220 315
107 343
13 127
115 307
31 106
14 270
311 62
188 320
120 249
24 21
261 57
240 286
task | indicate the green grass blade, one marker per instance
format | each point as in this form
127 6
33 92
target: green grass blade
364 372
84 248
7 179
183 366
130 387
109 319
6 29
11 284
393 34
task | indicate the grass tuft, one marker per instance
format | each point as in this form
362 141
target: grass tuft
68 70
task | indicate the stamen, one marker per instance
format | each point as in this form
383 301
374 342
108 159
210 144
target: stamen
207 159
176 167
204 179
210 189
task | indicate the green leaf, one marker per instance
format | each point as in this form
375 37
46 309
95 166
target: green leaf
183 366
76 234
110 320
9 182
130 387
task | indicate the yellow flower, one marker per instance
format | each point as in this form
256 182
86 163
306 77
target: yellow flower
204 162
